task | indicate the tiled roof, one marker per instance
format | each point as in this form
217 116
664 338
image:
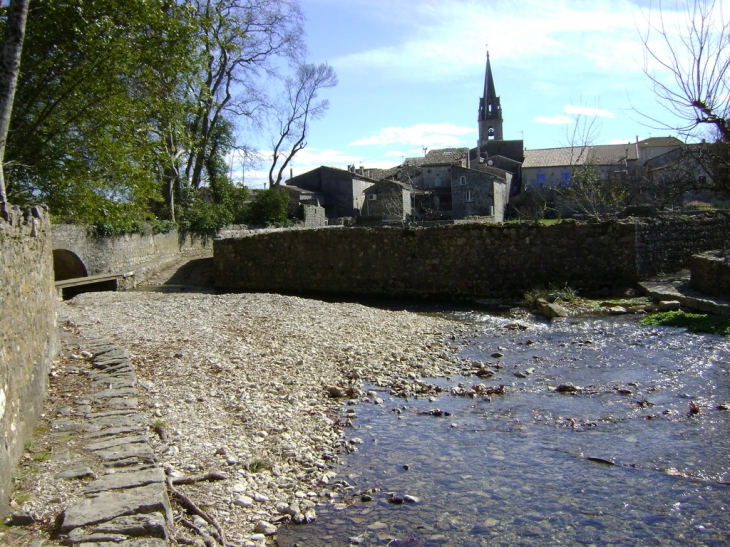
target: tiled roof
374 187
660 142
608 154
445 156
496 171
416 161
380 174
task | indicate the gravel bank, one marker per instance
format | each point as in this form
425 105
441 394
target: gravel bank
243 384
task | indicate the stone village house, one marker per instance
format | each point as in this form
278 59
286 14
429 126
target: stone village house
459 183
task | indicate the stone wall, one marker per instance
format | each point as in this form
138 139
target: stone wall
314 216
457 261
710 272
120 253
28 337
666 244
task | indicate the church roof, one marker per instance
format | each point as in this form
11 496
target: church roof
489 107
608 154
512 149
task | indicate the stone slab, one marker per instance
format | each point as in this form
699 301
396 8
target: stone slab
109 413
76 473
109 352
67 424
151 524
122 403
141 542
113 393
117 441
124 367
115 430
78 536
125 420
141 451
117 481
117 503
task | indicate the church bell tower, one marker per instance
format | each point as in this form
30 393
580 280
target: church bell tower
490 111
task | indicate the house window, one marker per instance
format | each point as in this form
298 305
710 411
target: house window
462 181
372 197
469 196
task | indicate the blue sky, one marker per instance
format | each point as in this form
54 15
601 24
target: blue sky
411 74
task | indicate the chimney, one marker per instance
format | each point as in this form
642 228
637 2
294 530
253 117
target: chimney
361 171
291 172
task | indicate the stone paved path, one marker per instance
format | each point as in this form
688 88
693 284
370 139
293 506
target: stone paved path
128 504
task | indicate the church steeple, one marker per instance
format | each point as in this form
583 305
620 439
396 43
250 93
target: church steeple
490 111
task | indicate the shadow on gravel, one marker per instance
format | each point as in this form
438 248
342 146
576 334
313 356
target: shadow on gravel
198 273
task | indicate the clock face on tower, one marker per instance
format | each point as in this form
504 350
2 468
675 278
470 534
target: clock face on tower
490 130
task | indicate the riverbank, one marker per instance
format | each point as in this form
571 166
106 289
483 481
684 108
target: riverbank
252 386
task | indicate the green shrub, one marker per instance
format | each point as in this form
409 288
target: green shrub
268 208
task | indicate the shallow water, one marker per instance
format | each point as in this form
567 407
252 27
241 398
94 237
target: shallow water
620 462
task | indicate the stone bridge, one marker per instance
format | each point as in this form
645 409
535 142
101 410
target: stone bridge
79 252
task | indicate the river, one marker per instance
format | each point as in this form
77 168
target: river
608 433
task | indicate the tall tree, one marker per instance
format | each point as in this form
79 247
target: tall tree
241 41
294 115
9 67
99 89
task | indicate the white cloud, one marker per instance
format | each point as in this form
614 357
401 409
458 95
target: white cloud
554 120
431 135
588 111
450 38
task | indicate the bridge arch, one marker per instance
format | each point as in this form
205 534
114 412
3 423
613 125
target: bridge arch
67 265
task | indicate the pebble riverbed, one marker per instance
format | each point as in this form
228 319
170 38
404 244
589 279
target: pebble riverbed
254 386
381 427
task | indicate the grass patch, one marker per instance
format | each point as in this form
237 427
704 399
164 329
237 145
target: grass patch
551 294
627 302
693 322
546 221
257 465
21 497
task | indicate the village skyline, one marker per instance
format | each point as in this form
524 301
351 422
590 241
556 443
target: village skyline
411 75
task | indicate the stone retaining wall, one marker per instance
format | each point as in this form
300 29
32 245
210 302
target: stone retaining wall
467 260
710 272
28 337
666 244
457 261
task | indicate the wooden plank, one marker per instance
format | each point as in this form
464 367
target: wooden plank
76 281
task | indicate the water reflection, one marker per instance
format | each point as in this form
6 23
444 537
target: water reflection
621 461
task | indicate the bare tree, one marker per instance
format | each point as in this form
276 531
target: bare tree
240 38
9 68
696 55
299 108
